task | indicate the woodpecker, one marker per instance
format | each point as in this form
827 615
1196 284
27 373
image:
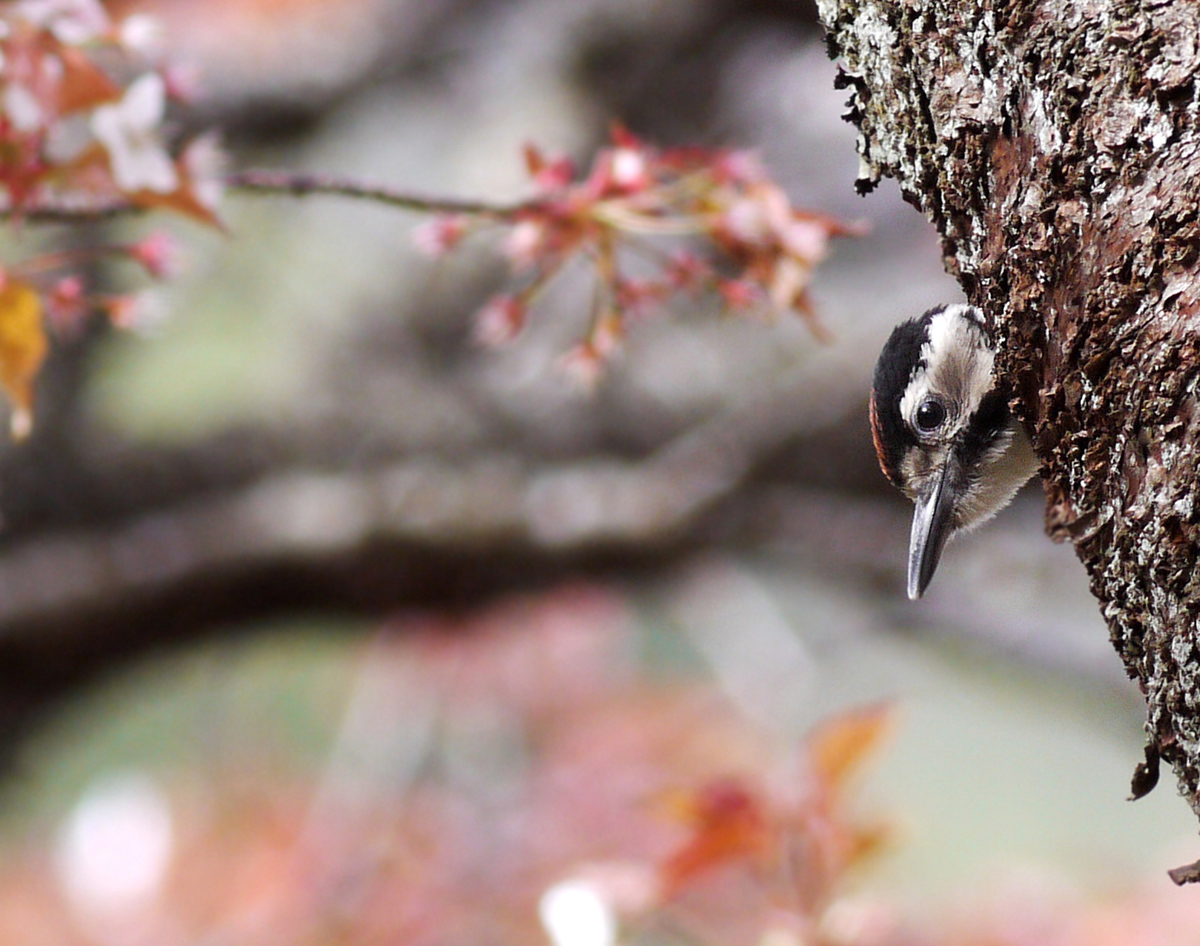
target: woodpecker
943 430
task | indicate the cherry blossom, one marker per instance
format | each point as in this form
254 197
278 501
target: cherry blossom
204 164
158 253
71 21
129 130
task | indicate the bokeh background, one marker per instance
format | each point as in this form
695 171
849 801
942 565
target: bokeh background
277 570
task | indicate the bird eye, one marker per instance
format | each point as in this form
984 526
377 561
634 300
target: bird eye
930 415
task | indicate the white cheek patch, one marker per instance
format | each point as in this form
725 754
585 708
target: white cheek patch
1007 467
958 361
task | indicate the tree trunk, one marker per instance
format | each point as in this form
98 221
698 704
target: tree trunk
1056 146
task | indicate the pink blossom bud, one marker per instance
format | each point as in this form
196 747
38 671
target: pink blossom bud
139 312
437 237
66 304
607 336
582 366
740 294
525 243
555 176
158 253
628 171
500 320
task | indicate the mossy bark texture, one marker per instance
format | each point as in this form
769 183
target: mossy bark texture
1056 146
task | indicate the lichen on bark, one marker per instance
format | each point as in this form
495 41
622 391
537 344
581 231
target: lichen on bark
1055 144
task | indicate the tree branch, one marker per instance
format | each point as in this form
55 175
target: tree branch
284 534
277 182
297 184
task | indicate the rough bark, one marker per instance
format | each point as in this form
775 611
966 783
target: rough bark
1055 143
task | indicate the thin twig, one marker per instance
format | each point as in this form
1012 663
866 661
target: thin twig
64 211
299 184
289 183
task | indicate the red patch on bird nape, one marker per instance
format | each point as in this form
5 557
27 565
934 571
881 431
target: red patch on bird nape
877 436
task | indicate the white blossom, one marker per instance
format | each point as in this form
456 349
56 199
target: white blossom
129 130
205 161
22 108
141 33
71 21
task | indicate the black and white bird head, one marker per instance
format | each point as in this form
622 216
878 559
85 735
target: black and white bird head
944 432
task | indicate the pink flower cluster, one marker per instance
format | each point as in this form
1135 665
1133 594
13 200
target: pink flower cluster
82 107
82 104
651 225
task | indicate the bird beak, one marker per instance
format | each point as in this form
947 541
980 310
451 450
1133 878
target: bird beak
933 521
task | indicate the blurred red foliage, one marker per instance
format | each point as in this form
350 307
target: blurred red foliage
518 776
483 763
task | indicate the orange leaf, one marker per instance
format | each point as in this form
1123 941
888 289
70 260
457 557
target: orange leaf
83 85
198 170
183 201
838 745
866 842
23 348
731 824
535 162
